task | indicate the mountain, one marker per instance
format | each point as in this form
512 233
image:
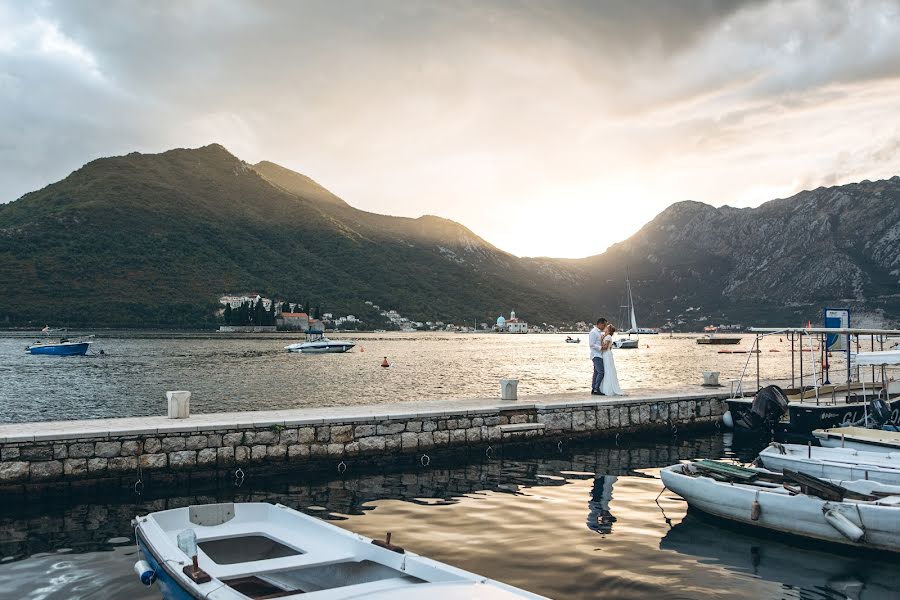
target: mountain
779 263
153 239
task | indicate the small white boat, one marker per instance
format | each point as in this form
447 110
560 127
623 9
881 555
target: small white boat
571 340
859 438
317 343
257 550
625 343
844 464
872 522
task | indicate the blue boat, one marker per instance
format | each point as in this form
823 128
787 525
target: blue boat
63 347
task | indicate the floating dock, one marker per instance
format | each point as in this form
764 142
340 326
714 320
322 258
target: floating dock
61 456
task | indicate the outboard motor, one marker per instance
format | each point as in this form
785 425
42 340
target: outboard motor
769 405
880 413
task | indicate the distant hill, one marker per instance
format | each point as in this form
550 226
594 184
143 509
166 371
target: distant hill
153 239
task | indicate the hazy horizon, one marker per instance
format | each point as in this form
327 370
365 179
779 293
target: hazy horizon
524 121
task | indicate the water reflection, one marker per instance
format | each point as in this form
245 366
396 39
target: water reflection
501 517
812 573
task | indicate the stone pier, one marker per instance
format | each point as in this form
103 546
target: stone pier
36 457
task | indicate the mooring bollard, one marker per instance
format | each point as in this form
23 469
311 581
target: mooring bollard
509 389
711 378
179 405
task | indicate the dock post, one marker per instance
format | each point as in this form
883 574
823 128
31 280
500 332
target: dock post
179 404
509 389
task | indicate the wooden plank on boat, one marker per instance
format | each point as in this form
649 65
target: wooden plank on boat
726 471
813 486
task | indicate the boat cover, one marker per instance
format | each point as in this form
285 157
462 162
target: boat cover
885 357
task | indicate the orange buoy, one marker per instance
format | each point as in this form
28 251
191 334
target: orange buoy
362 348
385 362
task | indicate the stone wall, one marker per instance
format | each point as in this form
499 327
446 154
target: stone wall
29 463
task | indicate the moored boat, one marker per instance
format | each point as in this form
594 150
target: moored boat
240 551
859 438
843 464
864 514
317 343
64 347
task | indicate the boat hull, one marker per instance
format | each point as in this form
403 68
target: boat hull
70 349
842 464
799 515
858 438
719 341
168 586
804 418
328 349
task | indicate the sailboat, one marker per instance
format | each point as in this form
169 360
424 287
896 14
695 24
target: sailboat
630 342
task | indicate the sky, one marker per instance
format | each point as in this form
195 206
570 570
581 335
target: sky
548 128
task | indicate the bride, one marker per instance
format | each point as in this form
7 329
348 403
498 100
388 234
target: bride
610 384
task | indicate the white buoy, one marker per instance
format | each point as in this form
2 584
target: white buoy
845 526
728 420
144 572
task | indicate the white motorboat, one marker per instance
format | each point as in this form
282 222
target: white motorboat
317 343
257 550
625 343
864 514
843 464
859 438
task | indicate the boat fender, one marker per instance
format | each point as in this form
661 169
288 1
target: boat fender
728 420
144 572
755 508
845 526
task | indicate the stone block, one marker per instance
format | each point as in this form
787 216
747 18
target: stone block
60 451
517 419
362 431
306 435
288 437
390 428
152 445
276 452
173 444
494 433
578 420
207 457
241 454
426 440
214 440
705 408
13 471
457 436
225 456
262 437
36 452
634 415
590 419
10 453
258 452
558 420
644 414
371 444
335 449
298 452
341 434
233 439
477 421
132 448
351 448
75 466
414 426
44 470
153 461
473 434
183 459
196 442
107 449
409 441
323 433
81 450
122 464
392 442
602 418
615 419
492 421
318 450
429 425
441 438
97 465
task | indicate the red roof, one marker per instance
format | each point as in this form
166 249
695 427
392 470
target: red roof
295 315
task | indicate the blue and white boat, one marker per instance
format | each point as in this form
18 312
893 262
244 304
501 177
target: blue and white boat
241 551
64 347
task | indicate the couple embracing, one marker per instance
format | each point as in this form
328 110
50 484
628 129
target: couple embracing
605 381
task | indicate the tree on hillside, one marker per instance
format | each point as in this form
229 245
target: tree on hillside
227 314
285 307
316 313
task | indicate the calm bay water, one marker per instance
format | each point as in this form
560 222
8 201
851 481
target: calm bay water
587 521
233 373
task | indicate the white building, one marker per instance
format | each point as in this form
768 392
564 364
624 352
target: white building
512 324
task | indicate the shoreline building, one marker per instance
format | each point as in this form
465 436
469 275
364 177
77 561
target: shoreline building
511 325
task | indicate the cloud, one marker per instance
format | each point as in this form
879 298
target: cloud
522 120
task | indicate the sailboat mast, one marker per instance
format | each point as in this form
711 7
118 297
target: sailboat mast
631 306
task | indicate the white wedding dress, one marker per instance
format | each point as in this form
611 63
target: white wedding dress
610 384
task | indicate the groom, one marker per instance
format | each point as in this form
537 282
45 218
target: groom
595 344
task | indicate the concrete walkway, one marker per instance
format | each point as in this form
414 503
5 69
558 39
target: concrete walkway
150 425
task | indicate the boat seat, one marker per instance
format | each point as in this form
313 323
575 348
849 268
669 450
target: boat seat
210 515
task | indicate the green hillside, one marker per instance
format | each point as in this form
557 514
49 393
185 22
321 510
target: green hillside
152 240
